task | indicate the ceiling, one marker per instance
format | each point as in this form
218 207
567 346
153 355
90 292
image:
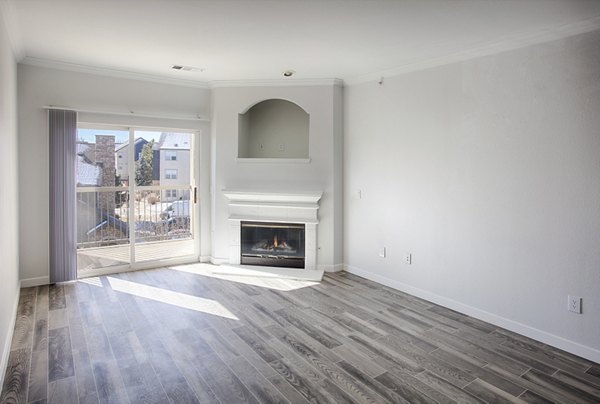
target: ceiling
258 40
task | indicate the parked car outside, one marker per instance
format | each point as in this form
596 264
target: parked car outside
177 209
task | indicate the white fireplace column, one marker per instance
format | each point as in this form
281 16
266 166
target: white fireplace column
275 207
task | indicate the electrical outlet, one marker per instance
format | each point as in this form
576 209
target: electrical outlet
408 258
382 252
574 304
359 194
261 147
281 147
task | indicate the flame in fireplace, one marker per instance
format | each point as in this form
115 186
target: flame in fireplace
275 241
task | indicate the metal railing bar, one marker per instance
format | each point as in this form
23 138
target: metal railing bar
126 189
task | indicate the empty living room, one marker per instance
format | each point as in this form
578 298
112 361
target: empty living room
300 201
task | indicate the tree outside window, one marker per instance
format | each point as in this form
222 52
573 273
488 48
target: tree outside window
143 166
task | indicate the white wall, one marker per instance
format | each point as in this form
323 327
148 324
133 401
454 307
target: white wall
39 87
9 230
323 173
488 172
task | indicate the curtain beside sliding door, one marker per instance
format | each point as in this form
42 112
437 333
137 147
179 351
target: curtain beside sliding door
63 230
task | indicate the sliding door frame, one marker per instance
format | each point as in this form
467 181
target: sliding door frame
195 202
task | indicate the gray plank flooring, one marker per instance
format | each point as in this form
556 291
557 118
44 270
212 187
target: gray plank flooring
185 335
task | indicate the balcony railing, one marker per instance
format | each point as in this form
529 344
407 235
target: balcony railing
159 213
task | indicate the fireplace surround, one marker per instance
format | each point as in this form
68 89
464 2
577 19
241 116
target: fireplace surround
270 208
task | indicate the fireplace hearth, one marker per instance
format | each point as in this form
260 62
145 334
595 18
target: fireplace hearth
273 244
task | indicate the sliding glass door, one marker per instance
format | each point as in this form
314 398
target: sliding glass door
136 199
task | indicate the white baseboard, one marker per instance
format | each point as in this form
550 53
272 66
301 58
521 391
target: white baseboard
8 343
40 280
523 329
331 268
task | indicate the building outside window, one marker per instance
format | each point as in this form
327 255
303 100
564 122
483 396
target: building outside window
171 174
175 163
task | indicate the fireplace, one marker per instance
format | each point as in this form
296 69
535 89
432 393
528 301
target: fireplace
273 244
259 210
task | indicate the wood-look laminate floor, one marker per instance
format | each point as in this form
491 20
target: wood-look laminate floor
186 336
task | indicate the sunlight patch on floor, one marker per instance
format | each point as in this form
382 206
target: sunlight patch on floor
248 277
208 306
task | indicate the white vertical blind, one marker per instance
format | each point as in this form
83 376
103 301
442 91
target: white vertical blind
63 232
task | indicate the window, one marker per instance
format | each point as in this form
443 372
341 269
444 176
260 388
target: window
171 174
171 155
171 193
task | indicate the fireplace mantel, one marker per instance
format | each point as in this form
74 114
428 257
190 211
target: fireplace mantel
272 206
291 198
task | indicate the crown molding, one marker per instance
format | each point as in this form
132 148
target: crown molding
9 16
491 48
276 83
106 71
110 72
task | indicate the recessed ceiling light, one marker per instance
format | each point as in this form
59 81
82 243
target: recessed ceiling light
288 73
187 68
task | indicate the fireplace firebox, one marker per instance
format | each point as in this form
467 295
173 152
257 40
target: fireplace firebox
272 244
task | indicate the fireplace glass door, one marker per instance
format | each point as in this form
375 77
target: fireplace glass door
272 244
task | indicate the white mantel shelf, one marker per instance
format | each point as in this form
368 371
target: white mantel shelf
263 197
273 219
307 206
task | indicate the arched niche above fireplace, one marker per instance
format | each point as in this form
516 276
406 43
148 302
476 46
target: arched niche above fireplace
273 129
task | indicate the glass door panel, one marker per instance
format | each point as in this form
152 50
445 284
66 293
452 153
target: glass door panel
163 206
102 200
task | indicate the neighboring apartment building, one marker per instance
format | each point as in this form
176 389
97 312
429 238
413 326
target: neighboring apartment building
175 164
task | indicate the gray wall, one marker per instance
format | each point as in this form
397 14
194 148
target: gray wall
488 172
9 207
39 87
